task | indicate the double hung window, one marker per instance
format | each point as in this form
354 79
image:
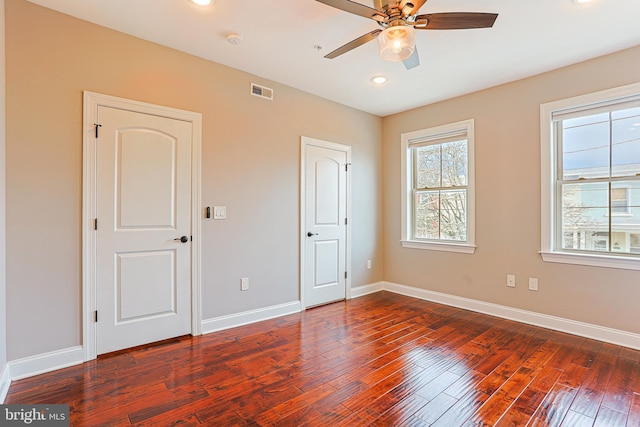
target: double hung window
438 195
591 179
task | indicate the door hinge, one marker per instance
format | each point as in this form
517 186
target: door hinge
96 127
95 316
345 274
95 223
346 167
345 221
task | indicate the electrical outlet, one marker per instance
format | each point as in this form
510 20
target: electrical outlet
368 264
533 284
511 280
244 284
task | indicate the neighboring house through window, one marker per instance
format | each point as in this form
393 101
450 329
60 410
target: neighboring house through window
438 201
591 179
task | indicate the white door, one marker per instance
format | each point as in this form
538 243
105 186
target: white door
143 268
325 221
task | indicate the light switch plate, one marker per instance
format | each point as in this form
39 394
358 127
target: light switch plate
219 212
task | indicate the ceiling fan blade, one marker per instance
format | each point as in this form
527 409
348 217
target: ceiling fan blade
456 20
357 9
353 44
413 61
411 7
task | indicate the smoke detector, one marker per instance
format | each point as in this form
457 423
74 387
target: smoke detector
235 38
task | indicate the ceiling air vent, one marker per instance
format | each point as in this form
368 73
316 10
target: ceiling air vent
261 91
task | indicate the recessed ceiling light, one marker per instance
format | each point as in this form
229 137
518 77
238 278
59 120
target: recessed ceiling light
581 1
379 79
202 2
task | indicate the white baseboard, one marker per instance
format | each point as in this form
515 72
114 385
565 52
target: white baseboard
587 330
5 382
367 289
39 364
47 362
247 317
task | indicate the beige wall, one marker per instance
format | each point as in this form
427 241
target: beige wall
250 163
507 143
3 277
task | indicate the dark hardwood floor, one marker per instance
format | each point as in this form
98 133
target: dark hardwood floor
382 359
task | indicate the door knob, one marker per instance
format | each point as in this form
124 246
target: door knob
311 234
183 239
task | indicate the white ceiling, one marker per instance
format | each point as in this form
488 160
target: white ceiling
529 37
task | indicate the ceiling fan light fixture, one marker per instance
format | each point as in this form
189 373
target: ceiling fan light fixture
396 43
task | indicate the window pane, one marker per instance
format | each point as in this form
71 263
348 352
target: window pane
427 215
585 147
427 166
585 216
626 143
453 214
454 163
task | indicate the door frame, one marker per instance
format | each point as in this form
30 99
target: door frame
91 102
305 142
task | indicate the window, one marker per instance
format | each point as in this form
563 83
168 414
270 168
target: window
620 201
438 199
591 179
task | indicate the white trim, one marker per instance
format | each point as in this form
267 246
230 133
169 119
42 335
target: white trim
406 214
593 260
46 362
548 159
90 108
5 383
588 330
439 246
252 316
304 142
363 290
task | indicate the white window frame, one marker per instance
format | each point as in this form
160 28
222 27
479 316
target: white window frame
468 247
549 157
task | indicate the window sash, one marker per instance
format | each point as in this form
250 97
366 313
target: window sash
439 140
613 206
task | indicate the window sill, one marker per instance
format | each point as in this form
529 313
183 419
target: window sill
593 260
445 247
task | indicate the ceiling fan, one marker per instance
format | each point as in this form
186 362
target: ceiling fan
399 20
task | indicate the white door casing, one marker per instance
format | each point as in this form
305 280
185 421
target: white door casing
325 209
142 183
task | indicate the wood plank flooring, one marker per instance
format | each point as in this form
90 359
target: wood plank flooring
380 360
